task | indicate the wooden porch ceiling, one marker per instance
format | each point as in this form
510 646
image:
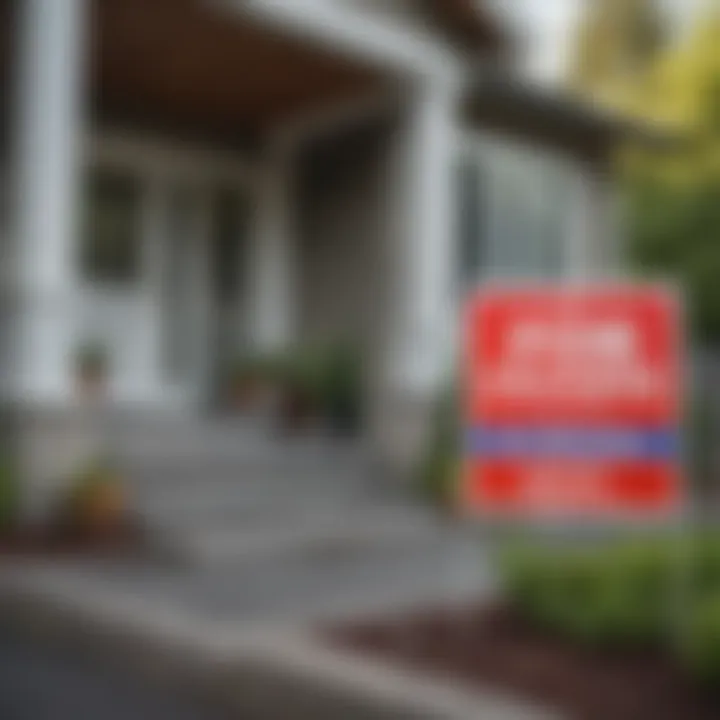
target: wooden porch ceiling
190 67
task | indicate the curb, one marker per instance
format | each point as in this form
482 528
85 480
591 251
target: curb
261 672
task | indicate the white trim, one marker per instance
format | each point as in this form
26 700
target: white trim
345 29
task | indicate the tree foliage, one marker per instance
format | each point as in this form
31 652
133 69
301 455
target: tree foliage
674 193
617 40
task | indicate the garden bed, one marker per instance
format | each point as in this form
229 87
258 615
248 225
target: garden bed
497 647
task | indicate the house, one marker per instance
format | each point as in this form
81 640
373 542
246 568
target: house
192 179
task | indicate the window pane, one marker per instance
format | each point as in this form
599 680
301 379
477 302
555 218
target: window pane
525 200
111 233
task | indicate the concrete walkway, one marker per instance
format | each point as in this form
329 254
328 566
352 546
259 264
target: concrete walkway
261 663
273 541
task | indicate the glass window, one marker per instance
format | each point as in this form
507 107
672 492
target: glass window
513 207
111 242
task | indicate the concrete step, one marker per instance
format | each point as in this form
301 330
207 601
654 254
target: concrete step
185 485
449 565
202 501
193 453
217 492
247 467
325 530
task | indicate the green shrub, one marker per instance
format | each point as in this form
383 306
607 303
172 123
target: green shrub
704 554
640 576
700 643
618 593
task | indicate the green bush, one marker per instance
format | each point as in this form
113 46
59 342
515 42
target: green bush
700 643
617 593
704 552
584 594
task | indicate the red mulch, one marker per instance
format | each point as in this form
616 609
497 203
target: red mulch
497 648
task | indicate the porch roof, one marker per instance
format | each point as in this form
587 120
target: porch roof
470 23
201 69
556 120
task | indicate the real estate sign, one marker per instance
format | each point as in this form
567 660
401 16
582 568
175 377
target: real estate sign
573 401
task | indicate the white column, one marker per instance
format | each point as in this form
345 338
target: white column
423 329
48 130
420 315
271 290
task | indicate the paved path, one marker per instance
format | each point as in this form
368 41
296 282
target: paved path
39 681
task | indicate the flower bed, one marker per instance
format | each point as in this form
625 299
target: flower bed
499 648
630 630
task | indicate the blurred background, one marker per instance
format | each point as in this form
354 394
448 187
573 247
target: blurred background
236 237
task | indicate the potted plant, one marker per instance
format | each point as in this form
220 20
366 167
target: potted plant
91 364
300 374
94 505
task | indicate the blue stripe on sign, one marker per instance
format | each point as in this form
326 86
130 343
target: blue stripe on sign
601 443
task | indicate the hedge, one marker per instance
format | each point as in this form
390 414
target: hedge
660 591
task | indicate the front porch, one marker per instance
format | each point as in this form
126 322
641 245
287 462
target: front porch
194 180
193 183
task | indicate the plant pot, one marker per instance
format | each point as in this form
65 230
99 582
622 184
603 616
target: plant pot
100 512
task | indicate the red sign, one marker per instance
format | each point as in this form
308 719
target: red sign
572 401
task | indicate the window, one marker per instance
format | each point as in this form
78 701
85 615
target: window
111 242
513 210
